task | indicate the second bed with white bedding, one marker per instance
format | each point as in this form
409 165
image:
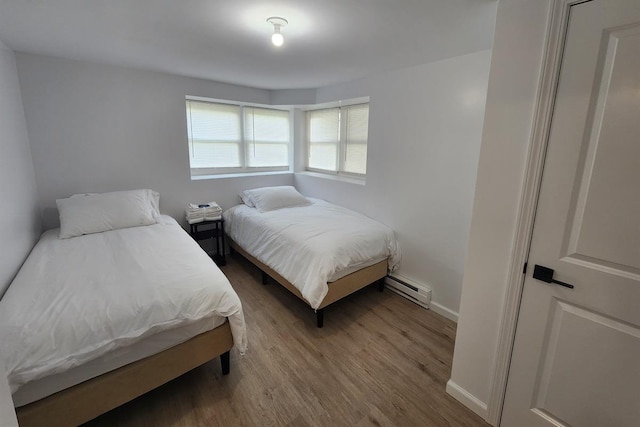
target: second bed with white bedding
312 245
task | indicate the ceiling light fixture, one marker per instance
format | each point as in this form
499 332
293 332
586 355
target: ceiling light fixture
277 23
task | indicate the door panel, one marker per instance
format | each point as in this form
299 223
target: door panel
604 344
611 176
576 356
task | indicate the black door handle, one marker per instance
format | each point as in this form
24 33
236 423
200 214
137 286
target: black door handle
546 275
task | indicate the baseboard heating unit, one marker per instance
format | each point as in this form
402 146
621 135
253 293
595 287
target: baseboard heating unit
409 289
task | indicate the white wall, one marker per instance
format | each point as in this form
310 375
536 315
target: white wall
513 85
19 215
292 96
96 128
425 126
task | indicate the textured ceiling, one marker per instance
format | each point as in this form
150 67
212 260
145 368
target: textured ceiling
326 41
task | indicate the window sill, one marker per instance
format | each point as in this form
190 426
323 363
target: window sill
342 178
238 175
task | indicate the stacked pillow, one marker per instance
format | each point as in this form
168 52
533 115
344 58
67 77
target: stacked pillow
267 199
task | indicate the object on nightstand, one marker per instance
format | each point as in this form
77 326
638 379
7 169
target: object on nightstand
200 212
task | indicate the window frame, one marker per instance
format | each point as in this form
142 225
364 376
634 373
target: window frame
220 172
342 144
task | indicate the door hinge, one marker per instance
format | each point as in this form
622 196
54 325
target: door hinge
524 269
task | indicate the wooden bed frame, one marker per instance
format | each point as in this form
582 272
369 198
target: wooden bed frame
337 290
87 400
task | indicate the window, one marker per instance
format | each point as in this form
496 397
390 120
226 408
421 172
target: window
228 138
337 139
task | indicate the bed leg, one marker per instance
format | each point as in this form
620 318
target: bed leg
320 317
265 278
381 285
225 361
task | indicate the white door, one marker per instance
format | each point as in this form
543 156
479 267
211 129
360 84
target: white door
576 357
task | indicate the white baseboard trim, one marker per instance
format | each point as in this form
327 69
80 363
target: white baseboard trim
467 399
444 311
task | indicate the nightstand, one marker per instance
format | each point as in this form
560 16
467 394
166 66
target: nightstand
211 230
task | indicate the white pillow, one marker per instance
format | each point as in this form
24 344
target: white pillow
271 198
95 213
155 203
155 200
246 198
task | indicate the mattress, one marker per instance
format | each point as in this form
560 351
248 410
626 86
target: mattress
312 245
113 296
48 385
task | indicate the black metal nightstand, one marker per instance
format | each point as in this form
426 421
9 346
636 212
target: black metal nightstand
211 230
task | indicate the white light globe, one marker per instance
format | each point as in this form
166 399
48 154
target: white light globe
277 39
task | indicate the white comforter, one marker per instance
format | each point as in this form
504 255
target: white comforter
308 244
76 299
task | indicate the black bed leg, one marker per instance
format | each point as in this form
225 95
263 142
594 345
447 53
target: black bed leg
265 278
225 362
381 285
320 317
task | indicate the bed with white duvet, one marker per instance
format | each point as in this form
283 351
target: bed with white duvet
312 244
87 305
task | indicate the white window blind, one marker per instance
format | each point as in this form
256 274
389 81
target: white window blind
227 138
324 138
214 135
337 139
267 134
355 141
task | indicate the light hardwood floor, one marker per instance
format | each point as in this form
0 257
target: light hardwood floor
380 360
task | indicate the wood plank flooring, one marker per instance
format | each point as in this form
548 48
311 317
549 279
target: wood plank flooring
380 360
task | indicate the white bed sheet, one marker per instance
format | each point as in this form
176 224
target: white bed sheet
310 245
75 300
